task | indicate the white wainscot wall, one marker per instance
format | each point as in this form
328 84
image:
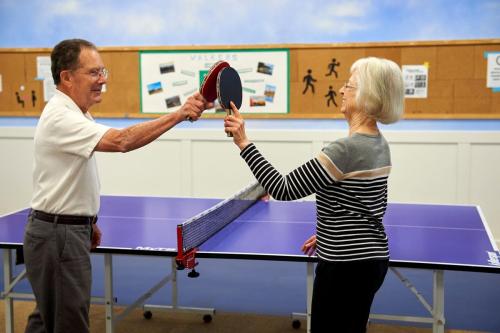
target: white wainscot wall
428 166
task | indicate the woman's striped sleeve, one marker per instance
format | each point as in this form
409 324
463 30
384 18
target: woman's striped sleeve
301 182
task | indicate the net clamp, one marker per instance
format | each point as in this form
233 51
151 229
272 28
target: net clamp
186 259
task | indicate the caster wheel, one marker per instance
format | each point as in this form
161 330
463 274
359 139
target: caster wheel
296 324
147 314
207 318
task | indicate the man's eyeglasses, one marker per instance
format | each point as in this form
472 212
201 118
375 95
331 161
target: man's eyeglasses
348 86
96 73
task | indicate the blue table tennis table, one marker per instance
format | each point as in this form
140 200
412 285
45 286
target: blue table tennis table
424 236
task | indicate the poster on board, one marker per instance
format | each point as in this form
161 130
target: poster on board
44 73
416 78
493 70
168 78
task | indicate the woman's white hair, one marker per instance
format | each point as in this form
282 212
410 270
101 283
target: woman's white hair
380 89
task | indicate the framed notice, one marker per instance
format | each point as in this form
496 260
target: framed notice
168 78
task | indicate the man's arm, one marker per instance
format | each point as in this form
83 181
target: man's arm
139 135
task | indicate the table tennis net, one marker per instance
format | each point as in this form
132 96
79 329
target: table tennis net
201 227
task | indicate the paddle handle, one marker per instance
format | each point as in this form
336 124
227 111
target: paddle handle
229 112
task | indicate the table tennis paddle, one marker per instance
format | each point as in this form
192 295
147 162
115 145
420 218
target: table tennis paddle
229 90
208 88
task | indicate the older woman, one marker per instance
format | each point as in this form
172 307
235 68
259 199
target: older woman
349 178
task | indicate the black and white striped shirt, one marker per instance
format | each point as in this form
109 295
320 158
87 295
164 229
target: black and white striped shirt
349 178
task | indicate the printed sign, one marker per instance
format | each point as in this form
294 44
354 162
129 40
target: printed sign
416 79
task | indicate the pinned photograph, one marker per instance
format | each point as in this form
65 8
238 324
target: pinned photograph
269 93
265 68
172 102
420 81
257 101
409 92
154 88
167 67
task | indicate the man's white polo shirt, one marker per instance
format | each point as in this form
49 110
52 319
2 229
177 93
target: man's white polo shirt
65 177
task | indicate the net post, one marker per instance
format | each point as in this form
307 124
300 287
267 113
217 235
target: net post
179 259
184 259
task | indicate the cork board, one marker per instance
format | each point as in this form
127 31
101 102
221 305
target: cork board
456 79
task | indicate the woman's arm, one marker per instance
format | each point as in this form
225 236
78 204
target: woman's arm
301 182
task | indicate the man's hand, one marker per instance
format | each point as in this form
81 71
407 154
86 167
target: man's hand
96 236
194 107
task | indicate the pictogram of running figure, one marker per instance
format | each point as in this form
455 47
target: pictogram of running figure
331 68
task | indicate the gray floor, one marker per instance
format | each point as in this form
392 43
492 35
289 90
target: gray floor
191 323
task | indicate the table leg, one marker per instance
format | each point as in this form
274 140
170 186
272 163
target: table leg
173 268
9 302
438 302
108 292
310 283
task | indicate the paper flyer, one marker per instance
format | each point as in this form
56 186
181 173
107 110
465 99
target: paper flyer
416 78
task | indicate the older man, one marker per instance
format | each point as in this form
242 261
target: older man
62 225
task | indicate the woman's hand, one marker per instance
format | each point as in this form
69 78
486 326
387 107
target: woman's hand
236 125
309 246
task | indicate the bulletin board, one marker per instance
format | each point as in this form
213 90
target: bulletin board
446 79
168 78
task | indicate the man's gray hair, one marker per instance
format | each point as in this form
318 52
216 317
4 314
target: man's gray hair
65 55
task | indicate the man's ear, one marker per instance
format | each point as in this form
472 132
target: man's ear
66 78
